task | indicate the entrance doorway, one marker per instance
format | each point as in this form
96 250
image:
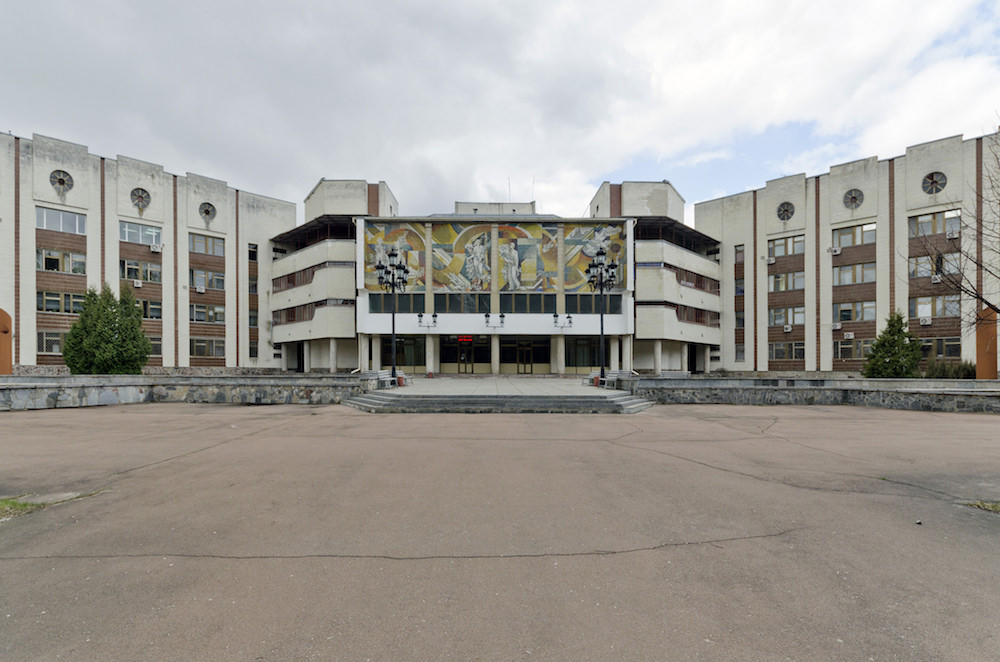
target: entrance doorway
6 344
524 361
465 355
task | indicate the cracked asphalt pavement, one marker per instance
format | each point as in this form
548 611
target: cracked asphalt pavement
682 533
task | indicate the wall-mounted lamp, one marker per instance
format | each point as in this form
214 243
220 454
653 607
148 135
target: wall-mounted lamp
567 324
420 320
494 326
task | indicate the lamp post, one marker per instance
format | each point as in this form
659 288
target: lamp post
392 276
602 276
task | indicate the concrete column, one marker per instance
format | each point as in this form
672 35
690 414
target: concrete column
706 356
495 354
657 357
363 351
613 362
376 351
429 362
684 357
306 355
333 355
559 355
627 353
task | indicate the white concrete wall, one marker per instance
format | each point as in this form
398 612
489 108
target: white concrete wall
341 196
652 199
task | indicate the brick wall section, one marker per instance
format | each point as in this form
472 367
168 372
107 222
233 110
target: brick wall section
372 200
616 200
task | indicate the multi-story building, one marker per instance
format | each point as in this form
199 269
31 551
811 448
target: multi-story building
799 275
812 266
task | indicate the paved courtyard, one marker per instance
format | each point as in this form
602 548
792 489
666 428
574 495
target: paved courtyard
681 533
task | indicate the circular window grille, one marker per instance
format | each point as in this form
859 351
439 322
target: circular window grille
140 198
934 183
786 210
207 211
853 198
61 181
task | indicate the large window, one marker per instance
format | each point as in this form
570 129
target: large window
852 274
200 312
941 348
208 347
136 270
137 233
854 235
790 315
740 318
854 311
852 349
51 342
60 221
199 243
945 305
942 221
795 280
405 303
740 352
59 302
212 280
461 303
785 351
151 310
786 246
929 265
588 304
62 261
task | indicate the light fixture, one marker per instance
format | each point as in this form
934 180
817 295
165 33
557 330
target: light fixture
494 326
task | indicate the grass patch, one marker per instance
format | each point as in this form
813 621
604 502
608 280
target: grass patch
14 507
992 506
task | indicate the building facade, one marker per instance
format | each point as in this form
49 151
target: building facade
797 276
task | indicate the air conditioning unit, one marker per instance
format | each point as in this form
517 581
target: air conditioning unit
200 289
770 260
952 234
936 278
788 328
836 250
925 321
837 326
136 283
156 248
848 335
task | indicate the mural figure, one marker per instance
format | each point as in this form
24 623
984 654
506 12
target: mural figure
601 239
477 267
511 265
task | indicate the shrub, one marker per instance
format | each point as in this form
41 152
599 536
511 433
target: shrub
895 352
107 339
950 370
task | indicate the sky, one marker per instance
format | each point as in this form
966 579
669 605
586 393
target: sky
501 100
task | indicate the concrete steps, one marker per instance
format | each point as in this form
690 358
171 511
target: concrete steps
398 402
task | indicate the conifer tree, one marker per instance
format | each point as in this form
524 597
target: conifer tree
107 339
895 353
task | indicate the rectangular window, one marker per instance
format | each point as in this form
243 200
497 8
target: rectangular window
199 243
784 351
739 287
790 315
253 349
253 318
740 352
60 221
252 253
61 261
152 310
157 343
854 311
945 305
212 280
941 348
929 265
786 246
740 254
795 280
740 318
852 349
207 313
57 302
253 285
136 233
51 342
852 274
854 235
208 347
937 223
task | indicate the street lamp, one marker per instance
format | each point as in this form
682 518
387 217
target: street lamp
602 276
392 276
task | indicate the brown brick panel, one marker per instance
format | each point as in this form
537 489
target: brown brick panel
56 281
855 255
55 322
848 364
861 330
777 333
940 327
788 364
739 335
207 262
738 302
923 287
155 361
130 251
615 199
203 361
252 300
254 333
148 291
738 270
787 263
861 292
50 359
203 330
60 241
372 200
153 327
210 297
252 270
932 245
786 298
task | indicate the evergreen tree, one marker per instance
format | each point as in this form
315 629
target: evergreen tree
107 339
895 353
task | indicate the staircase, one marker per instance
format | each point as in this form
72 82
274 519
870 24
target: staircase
398 402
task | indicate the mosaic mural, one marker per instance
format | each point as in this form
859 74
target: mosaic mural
582 242
529 257
407 238
461 257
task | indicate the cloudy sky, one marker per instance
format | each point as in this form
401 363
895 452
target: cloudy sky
515 99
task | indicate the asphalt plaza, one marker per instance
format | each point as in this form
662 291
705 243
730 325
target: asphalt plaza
321 532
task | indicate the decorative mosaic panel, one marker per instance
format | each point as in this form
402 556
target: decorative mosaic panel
461 257
582 242
407 238
529 257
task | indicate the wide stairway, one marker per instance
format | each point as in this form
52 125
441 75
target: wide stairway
497 395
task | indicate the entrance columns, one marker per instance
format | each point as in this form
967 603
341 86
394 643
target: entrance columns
495 354
333 355
627 353
559 355
363 351
657 357
430 354
376 351
613 362
306 355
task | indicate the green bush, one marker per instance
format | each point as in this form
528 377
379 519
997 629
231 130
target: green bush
895 352
950 370
107 339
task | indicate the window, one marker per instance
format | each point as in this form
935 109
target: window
928 265
740 253
62 261
51 342
200 312
151 310
253 318
941 348
945 305
928 224
852 349
587 304
136 270
795 280
464 303
252 252
854 311
786 246
782 316
784 351
405 303
157 343
136 233
253 284
58 302
208 347
740 352
740 319
851 274
739 287
60 221
253 349
212 280
199 243
854 235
